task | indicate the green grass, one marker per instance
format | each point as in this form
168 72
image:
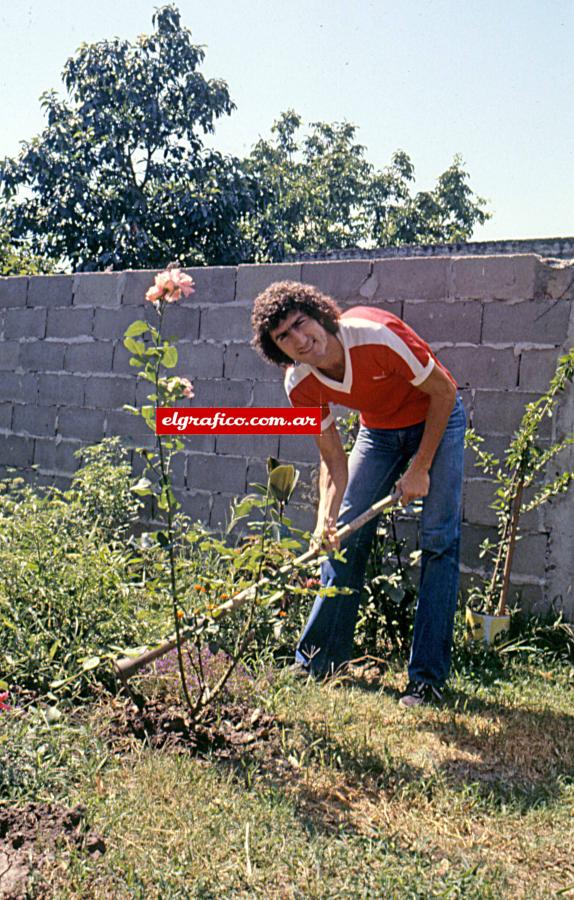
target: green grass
349 797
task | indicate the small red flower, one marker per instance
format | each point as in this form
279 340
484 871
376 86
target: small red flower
3 704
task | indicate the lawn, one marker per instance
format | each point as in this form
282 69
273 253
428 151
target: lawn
299 789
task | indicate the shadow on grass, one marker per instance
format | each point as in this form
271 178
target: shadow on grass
509 754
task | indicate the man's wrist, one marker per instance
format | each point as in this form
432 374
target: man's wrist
419 464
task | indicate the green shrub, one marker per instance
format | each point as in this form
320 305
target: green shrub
70 587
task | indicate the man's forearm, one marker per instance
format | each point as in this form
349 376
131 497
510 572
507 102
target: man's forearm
436 421
332 485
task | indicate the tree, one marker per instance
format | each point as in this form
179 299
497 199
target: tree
18 260
322 194
120 177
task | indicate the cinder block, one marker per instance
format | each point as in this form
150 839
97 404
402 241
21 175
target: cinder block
253 279
6 416
13 291
69 323
263 445
121 360
195 504
223 474
37 420
198 443
456 322
19 388
294 448
412 278
511 277
130 427
136 283
213 284
302 518
500 412
219 392
91 356
109 393
530 555
484 367
241 361
496 444
56 456
256 473
534 321
529 598
9 355
343 280
144 388
556 279
271 393
178 468
181 321
50 290
536 369
112 324
61 389
25 323
226 323
471 538
42 356
83 424
16 451
479 495
221 511
200 359
98 288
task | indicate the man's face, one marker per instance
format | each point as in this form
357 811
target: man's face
301 338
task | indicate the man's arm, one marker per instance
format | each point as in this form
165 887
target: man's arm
442 392
332 483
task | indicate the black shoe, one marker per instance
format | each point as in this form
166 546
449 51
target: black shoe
420 693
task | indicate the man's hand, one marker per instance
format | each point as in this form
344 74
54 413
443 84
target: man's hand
324 537
415 483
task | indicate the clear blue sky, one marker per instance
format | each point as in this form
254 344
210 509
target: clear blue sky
490 79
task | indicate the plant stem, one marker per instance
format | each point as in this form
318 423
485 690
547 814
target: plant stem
517 500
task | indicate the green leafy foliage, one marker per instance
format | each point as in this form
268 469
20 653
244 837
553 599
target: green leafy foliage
70 590
321 193
120 175
525 466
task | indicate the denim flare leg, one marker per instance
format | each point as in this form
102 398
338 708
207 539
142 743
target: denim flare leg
377 460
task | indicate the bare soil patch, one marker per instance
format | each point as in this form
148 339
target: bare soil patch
29 836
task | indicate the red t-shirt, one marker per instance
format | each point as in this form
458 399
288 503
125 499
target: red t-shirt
385 360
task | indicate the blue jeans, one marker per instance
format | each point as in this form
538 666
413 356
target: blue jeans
377 460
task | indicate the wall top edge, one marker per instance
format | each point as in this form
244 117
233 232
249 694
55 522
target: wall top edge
543 258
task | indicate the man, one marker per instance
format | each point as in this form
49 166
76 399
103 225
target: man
411 437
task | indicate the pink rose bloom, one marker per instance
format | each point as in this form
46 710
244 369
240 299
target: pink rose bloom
154 294
187 388
3 704
182 281
169 286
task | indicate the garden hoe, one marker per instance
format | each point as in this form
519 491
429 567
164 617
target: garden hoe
128 666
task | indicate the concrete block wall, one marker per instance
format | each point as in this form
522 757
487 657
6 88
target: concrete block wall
498 322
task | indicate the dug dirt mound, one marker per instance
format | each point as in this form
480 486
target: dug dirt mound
235 728
29 836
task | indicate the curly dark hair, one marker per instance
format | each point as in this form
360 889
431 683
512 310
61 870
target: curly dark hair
276 302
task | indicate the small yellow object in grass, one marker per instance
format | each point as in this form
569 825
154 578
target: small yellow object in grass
180 614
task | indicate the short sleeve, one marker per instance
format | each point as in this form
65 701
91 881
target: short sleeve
404 353
303 390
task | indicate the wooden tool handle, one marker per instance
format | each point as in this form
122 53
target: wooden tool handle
127 666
